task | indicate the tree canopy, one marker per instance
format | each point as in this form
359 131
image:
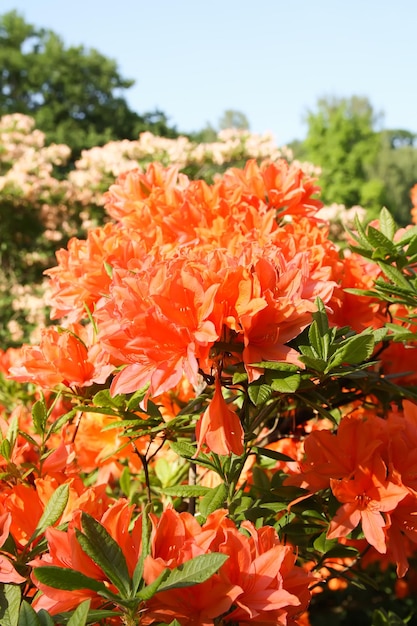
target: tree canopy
361 165
342 139
76 95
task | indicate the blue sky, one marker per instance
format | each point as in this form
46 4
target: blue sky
270 59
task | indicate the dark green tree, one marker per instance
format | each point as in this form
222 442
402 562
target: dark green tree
76 95
342 140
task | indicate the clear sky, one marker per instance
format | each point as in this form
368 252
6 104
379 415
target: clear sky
270 59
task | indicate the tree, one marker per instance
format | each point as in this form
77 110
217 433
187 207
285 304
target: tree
233 119
76 95
342 140
396 166
229 119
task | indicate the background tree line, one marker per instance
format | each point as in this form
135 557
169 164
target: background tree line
361 164
77 97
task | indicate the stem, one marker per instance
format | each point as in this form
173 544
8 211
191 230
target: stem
145 469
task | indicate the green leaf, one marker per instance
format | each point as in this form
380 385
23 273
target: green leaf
105 552
61 421
317 365
104 398
146 549
10 596
150 590
381 618
361 236
108 269
94 616
28 616
353 350
136 398
316 342
67 579
240 377
379 241
44 618
195 571
322 544
13 431
153 410
80 615
380 333
273 454
187 451
283 382
185 491
276 365
124 481
387 224
183 449
394 275
39 416
259 392
5 449
340 551
53 510
213 500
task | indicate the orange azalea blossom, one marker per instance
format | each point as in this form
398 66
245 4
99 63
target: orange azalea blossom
65 356
156 322
65 551
145 201
258 583
8 358
280 186
26 504
168 208
8 573
163 321
171 402
219 426
398 362
365 496
357 311
83 273
327 455
371 467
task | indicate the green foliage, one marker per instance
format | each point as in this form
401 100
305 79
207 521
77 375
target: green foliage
342 140
396 166
75 95
380 617
360 165
97 543
9 604
233 119
397 260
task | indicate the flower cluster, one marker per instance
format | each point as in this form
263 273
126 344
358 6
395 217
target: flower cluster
370 467
228 272
225 395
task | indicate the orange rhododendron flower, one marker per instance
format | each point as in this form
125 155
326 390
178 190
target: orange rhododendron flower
258 583
371 467
219 426
8 573
365 496
63 357
65 551
83 273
